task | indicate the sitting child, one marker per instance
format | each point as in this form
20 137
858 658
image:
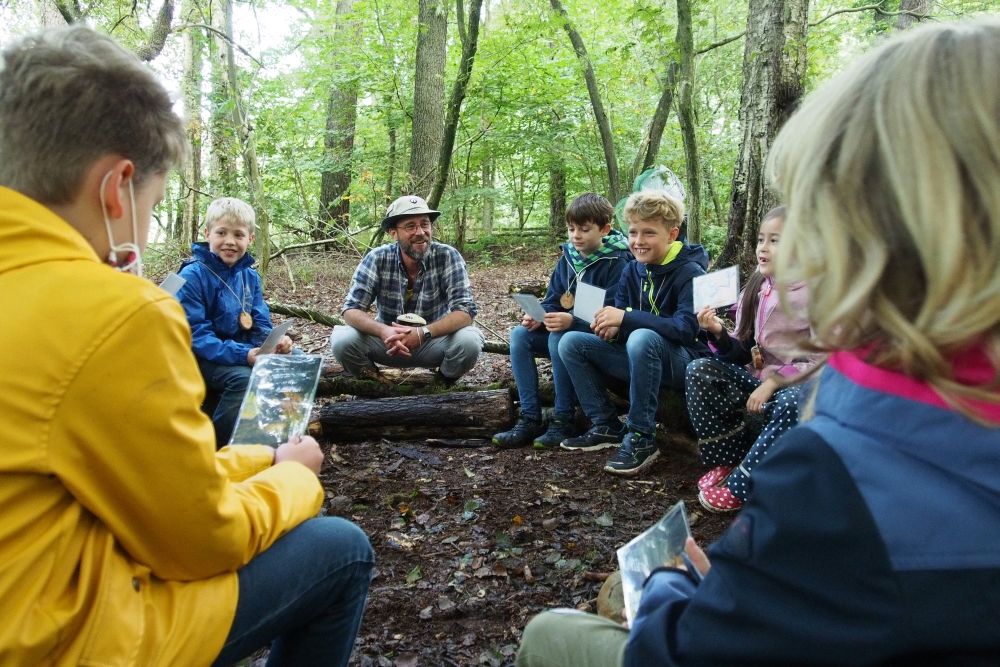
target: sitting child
648 337
872 534
225 307
749 369
595 254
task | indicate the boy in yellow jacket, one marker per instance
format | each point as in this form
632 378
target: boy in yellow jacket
125 539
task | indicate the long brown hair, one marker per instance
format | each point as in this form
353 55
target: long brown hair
751 293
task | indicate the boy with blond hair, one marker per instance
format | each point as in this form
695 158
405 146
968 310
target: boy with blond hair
224 304
648 336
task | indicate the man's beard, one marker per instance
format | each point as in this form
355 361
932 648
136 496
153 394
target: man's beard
413 254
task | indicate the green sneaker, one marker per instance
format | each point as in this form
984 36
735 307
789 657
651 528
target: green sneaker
559 429
600 436
635 455
524 432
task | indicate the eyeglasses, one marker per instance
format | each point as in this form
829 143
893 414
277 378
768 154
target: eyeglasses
411 227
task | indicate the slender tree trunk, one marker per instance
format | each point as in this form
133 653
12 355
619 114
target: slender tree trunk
194 43
774 66
905 21
389 194
470 42
603 124
488 201
557 198
428 94
685 112
262 241
221 134
711 193
54 14
341 118
659 122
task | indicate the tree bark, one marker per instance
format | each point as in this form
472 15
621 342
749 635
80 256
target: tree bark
341 119
774 66
557 198
222 164
659 122
158 35
428 94
194 44
470 43
466 414
488 200
262 244
603 124
906 21
685 113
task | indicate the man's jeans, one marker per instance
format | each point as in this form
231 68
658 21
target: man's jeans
647 360
524 347
304 596
455 353
231 383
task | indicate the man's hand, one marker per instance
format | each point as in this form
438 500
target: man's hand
530 324
709 321
301 449
409 337
284 346
761 395
252 357
558 321
393 346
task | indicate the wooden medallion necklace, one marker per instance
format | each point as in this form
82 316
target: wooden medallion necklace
245 319
568 300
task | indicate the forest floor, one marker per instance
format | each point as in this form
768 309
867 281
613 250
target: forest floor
471 543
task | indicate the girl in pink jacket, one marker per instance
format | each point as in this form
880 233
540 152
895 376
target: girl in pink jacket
749 373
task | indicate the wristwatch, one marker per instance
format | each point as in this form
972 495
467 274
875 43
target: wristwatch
427 333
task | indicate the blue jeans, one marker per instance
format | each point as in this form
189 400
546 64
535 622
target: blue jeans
304 596
524 347
231 383
647 360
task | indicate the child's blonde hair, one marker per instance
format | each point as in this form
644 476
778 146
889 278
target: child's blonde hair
232 208
654 205
890 175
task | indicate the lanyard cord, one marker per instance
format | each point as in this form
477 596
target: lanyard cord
653 299
762 309
243 302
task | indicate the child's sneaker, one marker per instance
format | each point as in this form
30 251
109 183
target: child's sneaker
635 455
524 432
559 429
719 499
715 476
600 436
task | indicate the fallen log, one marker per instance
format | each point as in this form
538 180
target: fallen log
537 288
458 415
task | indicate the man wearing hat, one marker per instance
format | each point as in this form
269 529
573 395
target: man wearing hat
414 277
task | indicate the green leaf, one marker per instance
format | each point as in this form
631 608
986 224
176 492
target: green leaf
414 576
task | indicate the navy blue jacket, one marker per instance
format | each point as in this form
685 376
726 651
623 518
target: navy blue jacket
604 273
660 298
871 537
213 311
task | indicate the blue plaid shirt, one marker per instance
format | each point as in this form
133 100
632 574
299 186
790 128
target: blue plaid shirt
442 285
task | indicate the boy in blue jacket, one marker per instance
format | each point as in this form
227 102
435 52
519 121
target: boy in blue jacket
595 254
224 304
647 337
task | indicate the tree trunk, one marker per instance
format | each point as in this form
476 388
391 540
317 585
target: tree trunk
685 112
470 42
221 133
341 118
428 94
711 193
905 21
55 14
194 44
557 198
488 201
603 124
659 122
774 66
464 414
262 245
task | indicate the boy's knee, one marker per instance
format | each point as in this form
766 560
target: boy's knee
239 378
518 337
335 535
569 344
644 340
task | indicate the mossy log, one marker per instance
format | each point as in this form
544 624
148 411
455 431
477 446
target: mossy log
459 414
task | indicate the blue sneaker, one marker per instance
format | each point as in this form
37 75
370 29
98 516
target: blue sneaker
600 436
635 455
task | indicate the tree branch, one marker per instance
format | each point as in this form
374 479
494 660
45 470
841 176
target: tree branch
721 42
158 36
847 10
184 26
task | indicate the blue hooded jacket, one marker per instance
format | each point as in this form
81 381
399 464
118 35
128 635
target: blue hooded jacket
213 311
661 298
604 273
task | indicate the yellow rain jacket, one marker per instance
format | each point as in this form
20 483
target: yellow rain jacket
121 528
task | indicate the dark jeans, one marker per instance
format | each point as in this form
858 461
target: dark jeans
230 383
524 347
304 596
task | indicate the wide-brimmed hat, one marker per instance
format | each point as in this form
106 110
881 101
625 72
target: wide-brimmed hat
404 207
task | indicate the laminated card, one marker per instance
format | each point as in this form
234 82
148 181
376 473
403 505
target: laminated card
589 300
716 289
279 399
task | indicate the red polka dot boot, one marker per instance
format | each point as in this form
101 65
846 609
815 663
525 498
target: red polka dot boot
719 499
714 476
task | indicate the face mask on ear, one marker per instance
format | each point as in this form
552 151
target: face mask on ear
133 256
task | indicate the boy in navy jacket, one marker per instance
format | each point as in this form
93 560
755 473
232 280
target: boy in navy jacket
647 337
224 304
595 254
